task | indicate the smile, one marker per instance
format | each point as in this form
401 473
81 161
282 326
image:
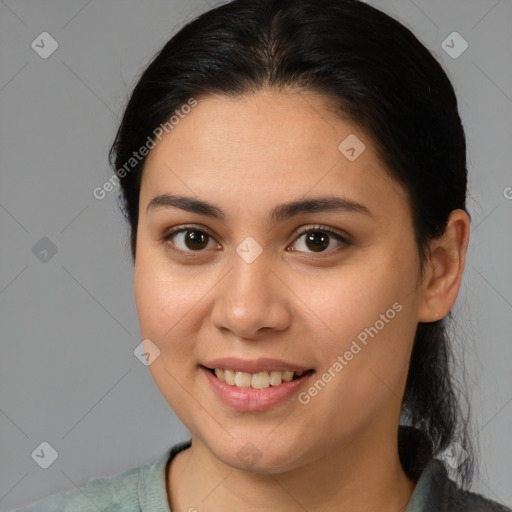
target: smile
257 384
260 380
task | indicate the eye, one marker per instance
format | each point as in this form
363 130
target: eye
189 239
319 238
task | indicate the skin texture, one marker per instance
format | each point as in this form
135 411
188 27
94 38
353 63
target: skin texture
246 155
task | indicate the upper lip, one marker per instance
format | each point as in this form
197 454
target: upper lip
255 365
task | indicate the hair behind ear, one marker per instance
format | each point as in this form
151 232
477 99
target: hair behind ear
430 402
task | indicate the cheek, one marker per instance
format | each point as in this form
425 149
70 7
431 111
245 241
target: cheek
165 303
163 299
369 321
354 297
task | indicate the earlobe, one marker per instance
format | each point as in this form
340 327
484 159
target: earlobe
445 268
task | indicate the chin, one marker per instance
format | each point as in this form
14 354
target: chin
258 453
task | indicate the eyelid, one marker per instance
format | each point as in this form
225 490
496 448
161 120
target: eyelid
184 227
324 229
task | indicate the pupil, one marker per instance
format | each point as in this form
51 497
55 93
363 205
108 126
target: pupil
196 237
318 240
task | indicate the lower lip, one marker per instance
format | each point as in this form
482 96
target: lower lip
249 399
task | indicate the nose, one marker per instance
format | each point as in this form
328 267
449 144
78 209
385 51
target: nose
252 301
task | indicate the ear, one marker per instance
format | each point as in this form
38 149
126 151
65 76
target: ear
443 274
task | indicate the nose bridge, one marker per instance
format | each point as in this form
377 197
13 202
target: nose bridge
251 298
249 282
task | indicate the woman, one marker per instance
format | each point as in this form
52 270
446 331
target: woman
294 177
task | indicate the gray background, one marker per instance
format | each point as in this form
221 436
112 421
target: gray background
68 375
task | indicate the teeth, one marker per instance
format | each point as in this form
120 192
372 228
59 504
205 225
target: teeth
242 379
229 377
276 378
261 380
288 376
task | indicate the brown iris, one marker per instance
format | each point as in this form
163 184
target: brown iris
196 240
317 241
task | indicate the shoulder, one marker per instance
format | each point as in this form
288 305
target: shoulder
139 488
455 499
117 492
436 492
113 493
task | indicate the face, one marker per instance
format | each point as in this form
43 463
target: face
250 284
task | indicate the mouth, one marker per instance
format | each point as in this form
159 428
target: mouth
259 380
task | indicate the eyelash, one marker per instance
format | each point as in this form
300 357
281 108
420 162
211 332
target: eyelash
308 229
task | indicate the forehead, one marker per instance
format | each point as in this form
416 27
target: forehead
257 148
262 124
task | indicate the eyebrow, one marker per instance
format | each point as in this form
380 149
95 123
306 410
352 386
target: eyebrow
278 214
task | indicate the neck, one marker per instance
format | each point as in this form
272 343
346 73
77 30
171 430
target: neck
363 475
